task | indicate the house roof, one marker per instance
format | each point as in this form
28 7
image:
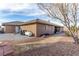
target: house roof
41 22
30 22
13 23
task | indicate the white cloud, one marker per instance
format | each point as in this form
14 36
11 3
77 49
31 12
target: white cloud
14 6
18 6
25 9
28 1
3 20
40 1
21 8
36 14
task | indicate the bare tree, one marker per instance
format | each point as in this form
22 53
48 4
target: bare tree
67 13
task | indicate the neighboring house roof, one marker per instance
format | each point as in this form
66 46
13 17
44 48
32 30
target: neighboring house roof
30 22
13 23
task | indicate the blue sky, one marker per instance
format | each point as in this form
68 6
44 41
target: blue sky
24 10
21 12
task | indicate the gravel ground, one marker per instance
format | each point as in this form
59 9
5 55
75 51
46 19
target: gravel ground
10 36
53 46
56 45
62 47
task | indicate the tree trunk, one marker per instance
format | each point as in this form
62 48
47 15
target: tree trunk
76 39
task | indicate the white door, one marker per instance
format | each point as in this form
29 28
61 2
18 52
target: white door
17 29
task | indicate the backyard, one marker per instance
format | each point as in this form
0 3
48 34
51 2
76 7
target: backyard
56 45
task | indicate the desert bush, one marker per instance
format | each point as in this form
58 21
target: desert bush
73 29
67 33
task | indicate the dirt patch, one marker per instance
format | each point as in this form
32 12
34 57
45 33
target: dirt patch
55 49
51 46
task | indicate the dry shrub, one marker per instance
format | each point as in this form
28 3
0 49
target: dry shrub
67 33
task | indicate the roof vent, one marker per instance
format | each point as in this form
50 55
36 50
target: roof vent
37 19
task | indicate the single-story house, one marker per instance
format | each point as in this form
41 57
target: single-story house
12 27
37 27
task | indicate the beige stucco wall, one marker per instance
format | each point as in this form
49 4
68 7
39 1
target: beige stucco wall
42 28
38 29
9 29
30 27
61 29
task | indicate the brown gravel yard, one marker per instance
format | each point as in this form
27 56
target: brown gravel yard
57 45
